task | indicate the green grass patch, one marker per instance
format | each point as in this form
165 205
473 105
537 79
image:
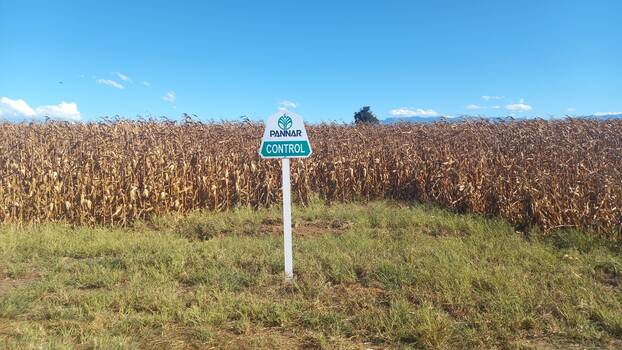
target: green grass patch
376 275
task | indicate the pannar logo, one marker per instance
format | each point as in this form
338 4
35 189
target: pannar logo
285 122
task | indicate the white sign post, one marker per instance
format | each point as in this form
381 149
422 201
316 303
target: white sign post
285 137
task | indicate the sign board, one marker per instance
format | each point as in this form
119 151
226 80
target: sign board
285 137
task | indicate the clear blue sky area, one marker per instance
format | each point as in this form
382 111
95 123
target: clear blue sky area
323 59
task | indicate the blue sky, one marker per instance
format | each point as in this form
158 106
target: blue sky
325 59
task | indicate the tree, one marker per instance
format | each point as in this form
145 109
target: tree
365 115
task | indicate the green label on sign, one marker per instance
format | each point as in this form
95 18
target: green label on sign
285 149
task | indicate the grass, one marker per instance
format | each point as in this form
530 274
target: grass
376 275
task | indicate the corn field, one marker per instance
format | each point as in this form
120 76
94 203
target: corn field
564 173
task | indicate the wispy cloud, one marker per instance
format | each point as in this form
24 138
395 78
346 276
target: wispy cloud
170 97
413 112
111 83
20 108
146 83
122 76
518 107
570 109
495 107
602 114
488 97
474 106
288 104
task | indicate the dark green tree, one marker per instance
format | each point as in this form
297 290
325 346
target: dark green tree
365 115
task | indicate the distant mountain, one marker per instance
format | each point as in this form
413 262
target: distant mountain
414 120
605 116
468 117
17 120
435 119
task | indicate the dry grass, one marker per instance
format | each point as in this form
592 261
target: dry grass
549 173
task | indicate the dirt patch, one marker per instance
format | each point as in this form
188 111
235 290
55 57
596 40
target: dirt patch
267 226
271 226
270 222
307 228
8 283
321 227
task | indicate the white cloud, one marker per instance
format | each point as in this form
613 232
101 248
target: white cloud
602 114
410 112
474 106
146 83
287 104
19 108
170 97
571 109
519 107
488 98
122 76
109 82
62 110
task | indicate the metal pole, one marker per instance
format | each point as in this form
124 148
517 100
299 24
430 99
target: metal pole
287 222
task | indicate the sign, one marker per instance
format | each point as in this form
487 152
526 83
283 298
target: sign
285 137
